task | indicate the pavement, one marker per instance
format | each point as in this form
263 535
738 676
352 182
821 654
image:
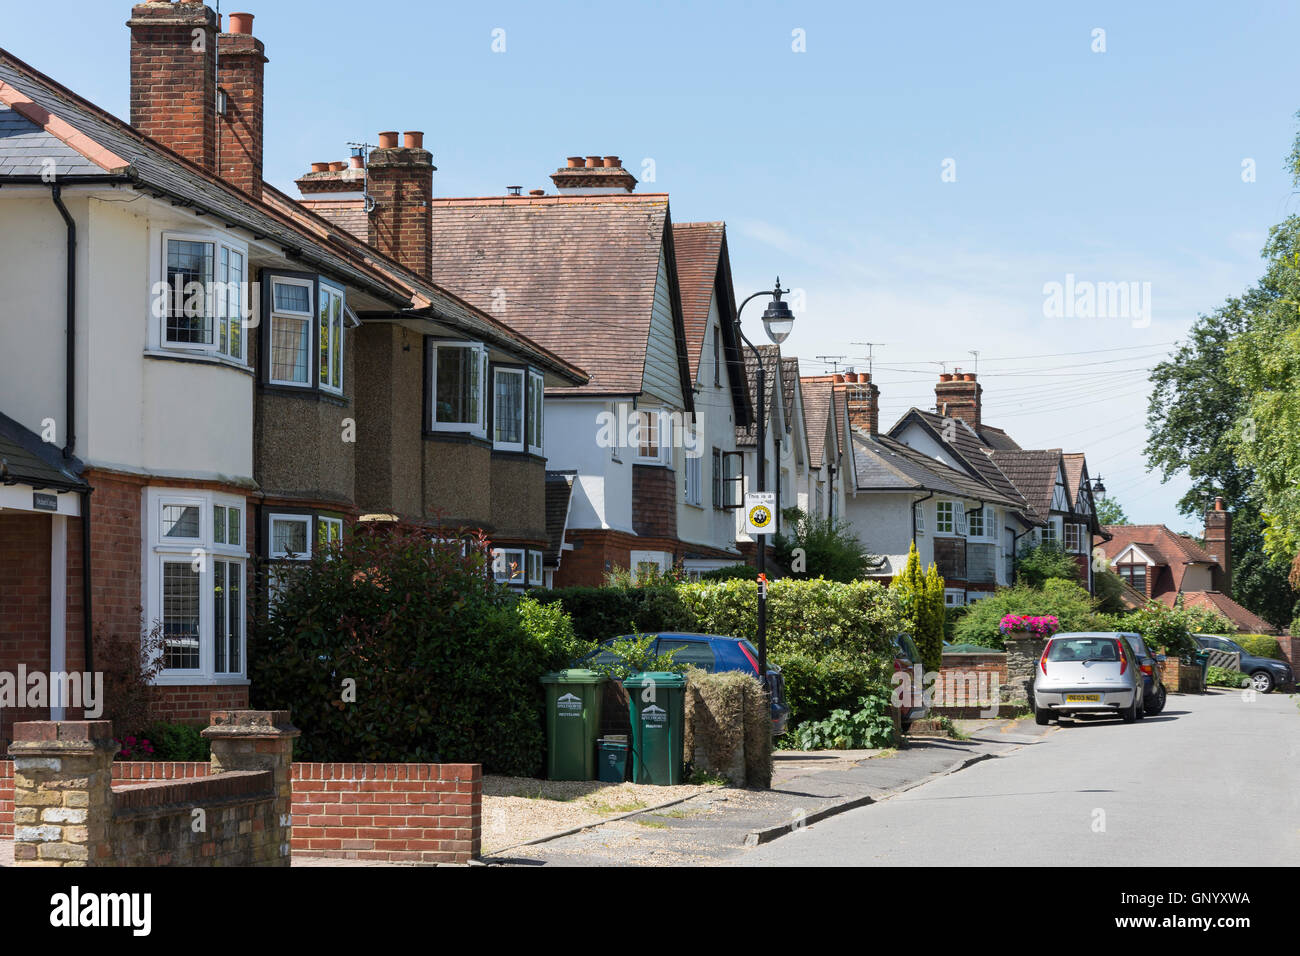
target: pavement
715 828
1213 780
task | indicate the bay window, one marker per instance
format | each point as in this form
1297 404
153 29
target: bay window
508 565
536 411
291 315
203 302
331 339
307 317
290 537
508 408
194 583
459 372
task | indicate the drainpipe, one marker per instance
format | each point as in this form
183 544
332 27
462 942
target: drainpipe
70 415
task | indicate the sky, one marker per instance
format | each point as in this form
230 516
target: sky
919 175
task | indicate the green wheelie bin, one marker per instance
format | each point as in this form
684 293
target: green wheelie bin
657 705
573 700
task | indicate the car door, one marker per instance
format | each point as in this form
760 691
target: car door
696 653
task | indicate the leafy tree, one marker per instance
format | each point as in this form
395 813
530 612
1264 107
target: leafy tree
918 591
1037 565
1171 628
1108 586
1110 511
1068 601
830 548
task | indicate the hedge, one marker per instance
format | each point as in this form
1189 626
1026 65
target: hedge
599 614
1260 645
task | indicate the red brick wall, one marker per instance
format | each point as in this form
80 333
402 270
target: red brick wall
965 675
158 769
421 813
173 86
243 65
401 183
193 703
6 799
654 501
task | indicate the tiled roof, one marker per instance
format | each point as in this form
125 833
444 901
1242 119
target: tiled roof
347 214
1074 462
789 382
24 457
27 149
748 434
885 464
1033 472
1246 622
996 438
574 273
967 447
1159 544
698 246
817 404
559 492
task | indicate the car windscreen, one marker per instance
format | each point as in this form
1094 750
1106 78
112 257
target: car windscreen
1083 649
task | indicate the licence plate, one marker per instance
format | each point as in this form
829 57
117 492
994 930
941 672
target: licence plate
1082 698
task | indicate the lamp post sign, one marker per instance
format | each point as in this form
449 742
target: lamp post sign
760 512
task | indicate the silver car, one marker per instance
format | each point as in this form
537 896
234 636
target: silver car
1092 672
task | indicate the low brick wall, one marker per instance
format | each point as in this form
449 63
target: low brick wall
970 680
396 812
1180 678
6 799
154 823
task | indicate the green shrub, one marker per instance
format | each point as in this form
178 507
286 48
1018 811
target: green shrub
1038 565
816 685
387 649
177 741
1067 601
635 654
830 548
599 614
1109 588
552 629
870 725
920 595
732 572
1260 645
1222 677
1171 628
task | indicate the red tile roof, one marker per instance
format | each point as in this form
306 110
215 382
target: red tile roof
698 246
1160 544
1246 622
817 403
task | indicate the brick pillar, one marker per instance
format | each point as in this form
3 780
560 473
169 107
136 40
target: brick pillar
62 792
258 740
242 70
401 184
1023 653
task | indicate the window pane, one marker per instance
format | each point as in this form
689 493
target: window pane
509 403
233 535
458 386
180 616
218 524
289 349
220 597
180 521
235 584
336 344
188 321
292 298
235 303
648 432
326 336
289 537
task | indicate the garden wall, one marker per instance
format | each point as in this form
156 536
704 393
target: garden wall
970 680
6 799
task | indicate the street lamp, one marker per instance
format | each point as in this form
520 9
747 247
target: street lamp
778 320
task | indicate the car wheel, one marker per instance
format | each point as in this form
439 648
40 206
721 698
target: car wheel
1141 708
1161 696
1262 681
1130 713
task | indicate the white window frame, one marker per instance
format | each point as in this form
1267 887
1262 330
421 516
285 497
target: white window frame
919 510
275 518
961 519
331 528
660 559
954 597
310 317
534 568
518 557
203 554
657 417
523 407
325 374
1056 536
987 522
1076 531
974 597
945 524
479 426
693 479
215 297
535 413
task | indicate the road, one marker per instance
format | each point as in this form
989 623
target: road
1213 780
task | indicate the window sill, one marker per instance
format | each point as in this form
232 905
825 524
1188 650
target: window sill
197 358
205 680
457 437
305 392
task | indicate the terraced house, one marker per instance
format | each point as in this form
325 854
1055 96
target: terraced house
198 374
599 274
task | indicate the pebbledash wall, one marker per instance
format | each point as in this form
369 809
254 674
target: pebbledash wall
416 813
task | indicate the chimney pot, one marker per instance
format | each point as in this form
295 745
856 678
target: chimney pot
611 162
388 140
968 377
414 140
593 162
338 167
358 162
838 378
575 162
537 192
514 190
945 377
241 23
1218 504
320 167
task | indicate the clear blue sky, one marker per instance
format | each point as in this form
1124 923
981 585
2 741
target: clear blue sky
1117 166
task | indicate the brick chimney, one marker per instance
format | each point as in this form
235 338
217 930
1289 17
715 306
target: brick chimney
241 70
593 176
957 395
173 77
861 398
1218 542
401 186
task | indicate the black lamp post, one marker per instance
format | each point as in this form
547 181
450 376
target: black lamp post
778 320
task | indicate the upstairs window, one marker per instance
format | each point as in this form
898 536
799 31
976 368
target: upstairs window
1135 575
331 339
920 518
694 493
460 372
291 315
1074 538
203 303
536 412
508 409
945 517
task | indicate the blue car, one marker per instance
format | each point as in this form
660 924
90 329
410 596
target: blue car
710 653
